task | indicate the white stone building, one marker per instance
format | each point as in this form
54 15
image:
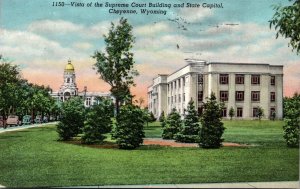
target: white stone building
243 86
69 88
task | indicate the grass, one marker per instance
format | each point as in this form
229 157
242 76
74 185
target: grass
34 157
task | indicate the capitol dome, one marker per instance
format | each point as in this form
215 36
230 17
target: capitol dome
69 67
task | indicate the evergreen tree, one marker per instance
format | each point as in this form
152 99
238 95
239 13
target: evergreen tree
191 128
292 120
212 127
98 122
152 117
129 131
231 113
162 116
173 125
72 120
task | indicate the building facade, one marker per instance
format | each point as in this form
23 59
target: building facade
243 86
69 89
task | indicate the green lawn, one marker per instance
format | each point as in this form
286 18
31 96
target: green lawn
34 157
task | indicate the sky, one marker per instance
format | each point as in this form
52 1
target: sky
40 38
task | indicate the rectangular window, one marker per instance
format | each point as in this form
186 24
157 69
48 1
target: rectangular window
255 112
239 79
175 85
272 96
272 80
200 95
239 95
239 112
183 97
179 98
224 112
255 95
200 79
255 79
178 83
88 101
183 81
175 98
223 78
168 100
224 95
172 99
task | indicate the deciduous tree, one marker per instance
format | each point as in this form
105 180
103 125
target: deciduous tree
286 22
116 64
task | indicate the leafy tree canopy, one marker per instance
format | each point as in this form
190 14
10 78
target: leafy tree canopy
286 22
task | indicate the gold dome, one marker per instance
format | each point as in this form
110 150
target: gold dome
69 67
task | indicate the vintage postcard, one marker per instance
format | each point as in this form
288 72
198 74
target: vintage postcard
170 59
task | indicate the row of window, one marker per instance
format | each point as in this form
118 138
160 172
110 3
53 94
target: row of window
240 79
239 112
174 84
174 98
239 96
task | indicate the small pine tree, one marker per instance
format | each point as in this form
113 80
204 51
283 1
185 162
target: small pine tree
172 126
231 113
129 131
152 117
191 128
260 113
72 118
98 122
162 116
212 127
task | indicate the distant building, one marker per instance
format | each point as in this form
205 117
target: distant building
69 89
243 86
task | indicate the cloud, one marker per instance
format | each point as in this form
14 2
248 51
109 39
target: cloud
151 29
82 45
63 27
54 26
195 14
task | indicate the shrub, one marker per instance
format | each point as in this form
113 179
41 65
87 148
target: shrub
292 120
212 127
72 118
98 122
129 131
260 113
190 129
231 113
173 125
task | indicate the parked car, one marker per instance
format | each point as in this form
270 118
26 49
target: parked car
45 119
26 120
13 120
2 122
38 119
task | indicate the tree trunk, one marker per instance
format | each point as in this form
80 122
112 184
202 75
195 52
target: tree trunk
117 106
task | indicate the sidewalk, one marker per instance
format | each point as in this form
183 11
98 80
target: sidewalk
16 128
279 184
